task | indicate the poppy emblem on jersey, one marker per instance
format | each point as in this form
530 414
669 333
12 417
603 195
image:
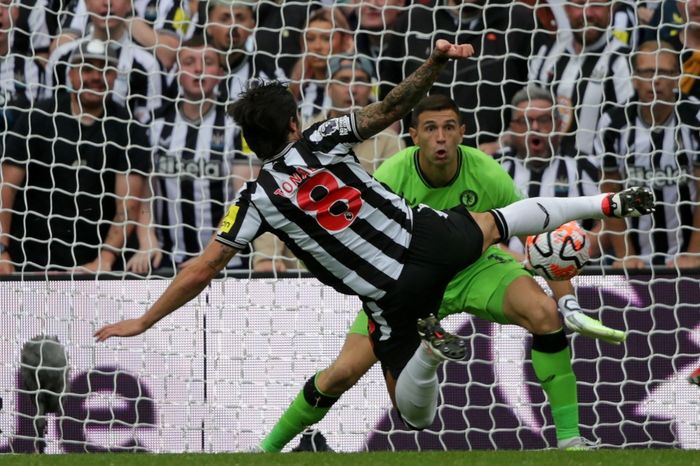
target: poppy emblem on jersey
230 218
468 198
329 127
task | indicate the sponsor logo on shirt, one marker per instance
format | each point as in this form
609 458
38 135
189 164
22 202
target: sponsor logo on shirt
170 165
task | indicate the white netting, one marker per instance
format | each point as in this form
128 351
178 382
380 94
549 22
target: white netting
216 376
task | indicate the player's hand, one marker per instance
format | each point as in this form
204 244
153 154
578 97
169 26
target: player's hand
444 50
685 261
629 263
125 328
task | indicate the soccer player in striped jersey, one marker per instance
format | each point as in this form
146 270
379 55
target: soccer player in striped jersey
360 238
440 172
655 142
193 165
587 71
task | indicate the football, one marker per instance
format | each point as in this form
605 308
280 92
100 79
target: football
559 254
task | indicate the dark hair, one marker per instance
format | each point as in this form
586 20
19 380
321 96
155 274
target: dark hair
195 42
263 111
433 103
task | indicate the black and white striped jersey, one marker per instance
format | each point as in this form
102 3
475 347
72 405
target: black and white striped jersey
138 85
347 228
192 184
314 98
663 157
162 15
20 78
30 30
562 177
584 84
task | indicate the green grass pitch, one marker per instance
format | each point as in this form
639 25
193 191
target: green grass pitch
480 458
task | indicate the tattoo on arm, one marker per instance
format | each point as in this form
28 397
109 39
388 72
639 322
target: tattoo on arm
400 100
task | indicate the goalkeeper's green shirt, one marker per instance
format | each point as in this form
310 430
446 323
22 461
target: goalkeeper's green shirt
481 184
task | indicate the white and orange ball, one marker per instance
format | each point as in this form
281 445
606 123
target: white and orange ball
559 254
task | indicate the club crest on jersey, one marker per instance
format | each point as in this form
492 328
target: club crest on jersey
289 186
468 198
218 138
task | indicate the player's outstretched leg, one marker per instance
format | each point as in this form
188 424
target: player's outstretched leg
417 387
541 214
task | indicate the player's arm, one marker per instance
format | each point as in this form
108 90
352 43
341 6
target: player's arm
376 117
187 284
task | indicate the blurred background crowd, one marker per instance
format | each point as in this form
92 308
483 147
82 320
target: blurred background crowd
118 154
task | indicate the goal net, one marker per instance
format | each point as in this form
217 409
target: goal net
216 375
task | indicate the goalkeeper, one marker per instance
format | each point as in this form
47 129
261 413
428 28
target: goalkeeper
440 172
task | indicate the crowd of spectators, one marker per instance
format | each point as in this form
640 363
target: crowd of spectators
117 152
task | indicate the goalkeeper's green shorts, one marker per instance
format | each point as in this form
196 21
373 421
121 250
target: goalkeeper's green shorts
479 289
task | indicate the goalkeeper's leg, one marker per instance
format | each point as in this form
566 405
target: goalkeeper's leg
525 304
322 390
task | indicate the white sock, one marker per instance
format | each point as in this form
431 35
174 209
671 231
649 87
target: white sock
417 389
541 214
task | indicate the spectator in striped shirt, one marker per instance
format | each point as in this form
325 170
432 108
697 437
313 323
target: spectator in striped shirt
655 142
19 74
139 84
327 33
534 159
193 166
587 71
153 24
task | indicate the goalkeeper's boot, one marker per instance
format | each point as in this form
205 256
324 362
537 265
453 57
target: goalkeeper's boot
312 441
441 343
588 326
576 443
630 202
695 377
